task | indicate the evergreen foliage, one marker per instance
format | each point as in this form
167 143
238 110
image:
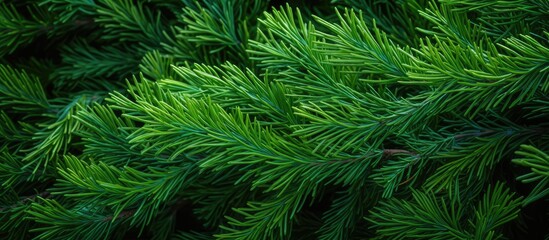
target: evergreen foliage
342 119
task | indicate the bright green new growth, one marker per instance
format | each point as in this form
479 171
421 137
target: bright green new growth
263 120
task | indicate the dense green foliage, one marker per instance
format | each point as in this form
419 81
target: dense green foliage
342 119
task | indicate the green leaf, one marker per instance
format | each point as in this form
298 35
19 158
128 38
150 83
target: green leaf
538 162
424 217
20 91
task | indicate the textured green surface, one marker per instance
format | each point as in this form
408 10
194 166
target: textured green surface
342 119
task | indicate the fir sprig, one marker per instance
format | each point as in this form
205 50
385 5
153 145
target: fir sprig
538 162
346 119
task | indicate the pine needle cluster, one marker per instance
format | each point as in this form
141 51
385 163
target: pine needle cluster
342 119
